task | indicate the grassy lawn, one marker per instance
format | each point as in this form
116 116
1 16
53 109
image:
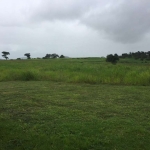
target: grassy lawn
42 115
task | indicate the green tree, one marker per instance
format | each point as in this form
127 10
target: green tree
5 54
47 56
54 55
27 55
51 56
112 58
62 56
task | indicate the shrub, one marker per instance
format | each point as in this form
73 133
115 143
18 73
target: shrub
112 58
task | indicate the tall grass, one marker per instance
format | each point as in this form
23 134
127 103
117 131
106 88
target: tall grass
93 71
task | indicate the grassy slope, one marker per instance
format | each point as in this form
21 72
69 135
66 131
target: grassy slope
57 115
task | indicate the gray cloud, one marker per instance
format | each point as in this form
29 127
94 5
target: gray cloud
126 22
123 21
62 10
76 28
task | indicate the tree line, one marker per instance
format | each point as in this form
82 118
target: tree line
137 55
133 55
28 55
109 58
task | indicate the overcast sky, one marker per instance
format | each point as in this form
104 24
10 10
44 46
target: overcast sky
74 28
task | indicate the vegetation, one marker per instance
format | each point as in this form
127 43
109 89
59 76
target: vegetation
112 58
27 55
5 54
75 104
42 115
51 56
62 56
137 55
93 71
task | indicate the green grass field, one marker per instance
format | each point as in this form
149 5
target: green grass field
63 104
93 71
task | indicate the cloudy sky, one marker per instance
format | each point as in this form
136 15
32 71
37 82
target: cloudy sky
74 28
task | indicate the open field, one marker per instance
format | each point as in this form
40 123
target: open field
74 104
39 115
90 70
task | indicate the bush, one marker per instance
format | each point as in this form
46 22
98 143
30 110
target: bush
112 58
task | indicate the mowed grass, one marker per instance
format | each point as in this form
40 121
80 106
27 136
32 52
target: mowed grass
45 115
90 70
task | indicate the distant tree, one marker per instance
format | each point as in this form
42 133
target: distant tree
62 56
51 56
148 53
5 54
112 58
27 55
116 57
47 56
137 55
54 55
124 55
